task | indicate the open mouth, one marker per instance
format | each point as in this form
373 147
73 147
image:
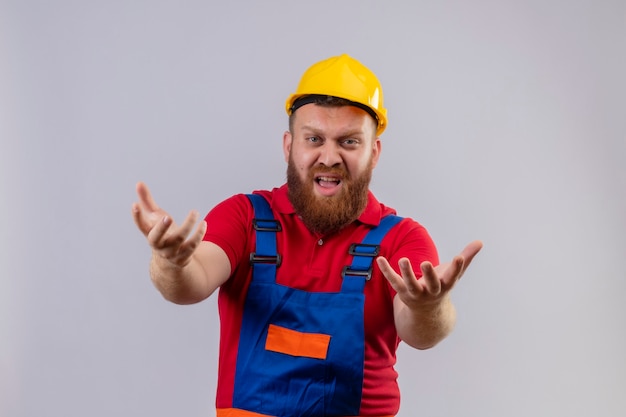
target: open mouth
327 182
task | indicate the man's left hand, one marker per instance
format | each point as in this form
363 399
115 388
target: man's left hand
435 283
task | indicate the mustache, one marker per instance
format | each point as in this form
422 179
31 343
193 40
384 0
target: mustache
341 172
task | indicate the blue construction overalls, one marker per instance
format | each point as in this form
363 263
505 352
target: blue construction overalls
302 353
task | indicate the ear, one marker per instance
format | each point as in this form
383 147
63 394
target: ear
377 147
287 139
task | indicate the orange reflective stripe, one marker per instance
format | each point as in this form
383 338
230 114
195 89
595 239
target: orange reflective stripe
235 412
294 343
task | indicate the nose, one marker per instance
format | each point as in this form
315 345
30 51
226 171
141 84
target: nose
330 154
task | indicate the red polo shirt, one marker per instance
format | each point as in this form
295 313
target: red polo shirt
313 262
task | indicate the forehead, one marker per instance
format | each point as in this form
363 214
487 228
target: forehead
334 118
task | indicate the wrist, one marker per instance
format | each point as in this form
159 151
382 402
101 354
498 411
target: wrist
432 307
164 264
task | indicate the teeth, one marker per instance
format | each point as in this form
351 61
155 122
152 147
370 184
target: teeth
327 179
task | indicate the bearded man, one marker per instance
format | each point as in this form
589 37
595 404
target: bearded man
309 323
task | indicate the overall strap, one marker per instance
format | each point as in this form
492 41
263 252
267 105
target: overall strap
355 275
264 260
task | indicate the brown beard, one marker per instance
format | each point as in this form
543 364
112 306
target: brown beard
327 215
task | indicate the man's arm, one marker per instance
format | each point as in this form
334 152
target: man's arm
207 269
184 269
424 314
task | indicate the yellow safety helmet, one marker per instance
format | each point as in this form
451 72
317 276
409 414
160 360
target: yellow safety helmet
344 77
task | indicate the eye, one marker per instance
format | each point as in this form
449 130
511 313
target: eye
350 142
313 139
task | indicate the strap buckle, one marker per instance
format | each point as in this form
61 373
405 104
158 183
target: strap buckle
266 225
347 270
364 249
265 259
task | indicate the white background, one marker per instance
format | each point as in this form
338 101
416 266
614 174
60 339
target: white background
507 123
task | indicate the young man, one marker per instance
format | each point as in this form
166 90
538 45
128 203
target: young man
317 280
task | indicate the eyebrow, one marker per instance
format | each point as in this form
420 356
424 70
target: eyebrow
342 134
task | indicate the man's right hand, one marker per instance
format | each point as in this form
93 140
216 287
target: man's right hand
168 241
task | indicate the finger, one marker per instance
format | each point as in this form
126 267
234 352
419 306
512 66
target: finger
178 236
145 197
452 272
408 276
470 251
430 278
189 246
156 235
139 220
396 281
